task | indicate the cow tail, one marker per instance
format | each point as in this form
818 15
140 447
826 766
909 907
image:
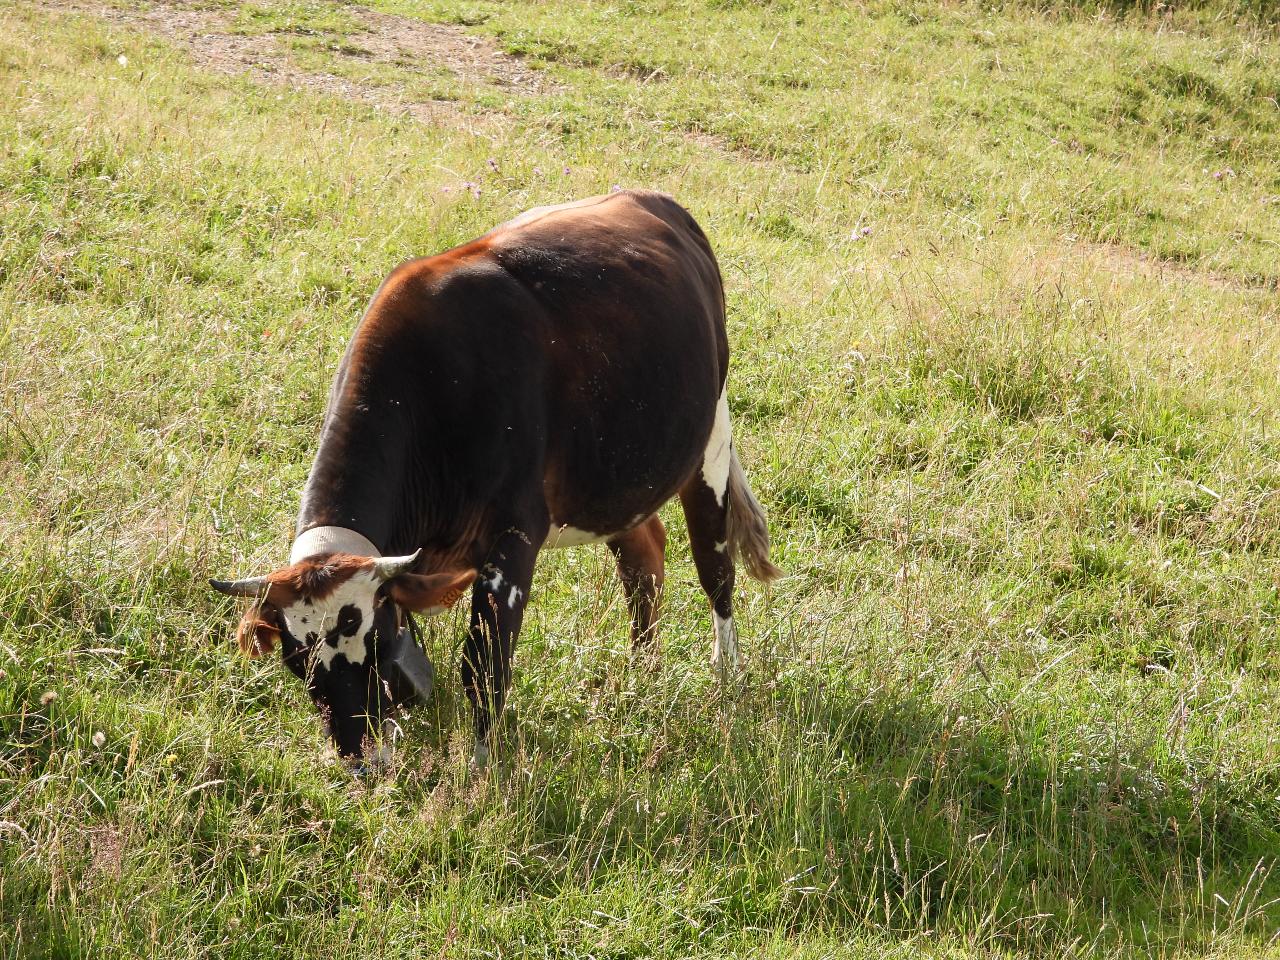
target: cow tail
745 527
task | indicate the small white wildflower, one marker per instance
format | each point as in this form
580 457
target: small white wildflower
122 60
99 738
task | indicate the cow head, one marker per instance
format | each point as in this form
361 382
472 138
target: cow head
336 619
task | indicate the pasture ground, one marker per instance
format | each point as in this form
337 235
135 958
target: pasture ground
1003 294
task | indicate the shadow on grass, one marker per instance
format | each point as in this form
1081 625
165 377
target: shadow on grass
810 803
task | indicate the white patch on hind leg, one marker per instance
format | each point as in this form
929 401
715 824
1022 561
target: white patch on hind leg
725 652
719 454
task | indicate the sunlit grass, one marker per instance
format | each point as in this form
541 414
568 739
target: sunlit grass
1004 377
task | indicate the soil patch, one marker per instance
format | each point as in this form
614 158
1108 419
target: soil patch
207 34
1130 261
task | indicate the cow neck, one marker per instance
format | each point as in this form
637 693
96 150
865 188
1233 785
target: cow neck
355 491
370 477
375 470
354 509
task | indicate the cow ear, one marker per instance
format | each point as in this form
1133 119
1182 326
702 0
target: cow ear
259 631
429 592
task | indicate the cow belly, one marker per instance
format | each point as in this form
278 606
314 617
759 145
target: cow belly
618 465
567 535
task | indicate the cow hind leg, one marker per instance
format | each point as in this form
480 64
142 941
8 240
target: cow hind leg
640 557
725 522
707 521
706 510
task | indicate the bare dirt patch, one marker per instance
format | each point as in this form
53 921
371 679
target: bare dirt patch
207 34
1130 261
400 40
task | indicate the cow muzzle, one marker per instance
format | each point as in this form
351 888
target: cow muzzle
408 671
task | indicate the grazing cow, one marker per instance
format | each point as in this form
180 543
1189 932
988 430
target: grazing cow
552 383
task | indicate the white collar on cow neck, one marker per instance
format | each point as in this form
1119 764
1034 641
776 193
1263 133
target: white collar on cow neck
320 540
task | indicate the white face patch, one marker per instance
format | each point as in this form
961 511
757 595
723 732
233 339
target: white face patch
725 652
348 611
719 454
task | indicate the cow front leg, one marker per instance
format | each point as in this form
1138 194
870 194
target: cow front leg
497 610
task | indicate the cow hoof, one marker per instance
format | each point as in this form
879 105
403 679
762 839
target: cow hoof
729 668
479 763
725 658
372 765
730 672
647 656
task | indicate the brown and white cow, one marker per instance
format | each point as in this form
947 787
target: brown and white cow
552 383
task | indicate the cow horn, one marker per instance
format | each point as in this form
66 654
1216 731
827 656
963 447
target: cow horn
387 568
248 587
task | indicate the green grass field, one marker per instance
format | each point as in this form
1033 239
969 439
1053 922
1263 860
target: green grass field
1002 290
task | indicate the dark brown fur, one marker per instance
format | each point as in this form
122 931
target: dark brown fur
565 369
